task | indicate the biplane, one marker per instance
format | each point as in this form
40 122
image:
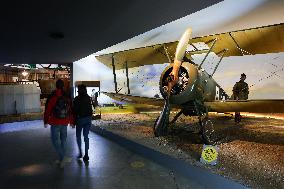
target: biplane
195 92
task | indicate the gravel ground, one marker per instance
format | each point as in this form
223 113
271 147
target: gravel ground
251 152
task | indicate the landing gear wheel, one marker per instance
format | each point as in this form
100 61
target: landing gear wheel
207 132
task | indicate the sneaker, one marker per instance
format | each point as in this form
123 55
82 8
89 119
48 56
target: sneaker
86 158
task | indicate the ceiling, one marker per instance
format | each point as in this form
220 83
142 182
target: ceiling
65 31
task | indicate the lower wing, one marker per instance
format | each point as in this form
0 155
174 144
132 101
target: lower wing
253 106
135 99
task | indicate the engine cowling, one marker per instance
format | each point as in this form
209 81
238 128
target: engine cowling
185 89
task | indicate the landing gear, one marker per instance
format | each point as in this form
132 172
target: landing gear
176 117
162 122
207 131
238 117
161 127
155 126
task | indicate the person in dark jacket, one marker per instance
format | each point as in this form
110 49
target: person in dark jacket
58 114
240 92
83 119
94 98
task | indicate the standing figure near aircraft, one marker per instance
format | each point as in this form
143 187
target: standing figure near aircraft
94 98
240 92
58 114
83 119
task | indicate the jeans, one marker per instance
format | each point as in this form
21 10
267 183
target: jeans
83 124
58 138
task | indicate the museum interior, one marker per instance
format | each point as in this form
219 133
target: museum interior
142 94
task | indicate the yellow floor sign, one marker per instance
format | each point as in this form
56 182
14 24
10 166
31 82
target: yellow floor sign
137 164
209 155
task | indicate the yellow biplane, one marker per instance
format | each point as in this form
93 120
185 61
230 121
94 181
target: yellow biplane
195 92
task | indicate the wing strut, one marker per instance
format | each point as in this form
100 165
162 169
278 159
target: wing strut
214 42
114 74
238 46
127 78
224 52
167 53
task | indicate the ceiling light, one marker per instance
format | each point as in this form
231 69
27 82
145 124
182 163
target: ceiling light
25 73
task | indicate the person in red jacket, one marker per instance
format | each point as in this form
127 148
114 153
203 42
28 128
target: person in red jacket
58 114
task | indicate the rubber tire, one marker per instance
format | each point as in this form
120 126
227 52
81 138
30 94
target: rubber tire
209 140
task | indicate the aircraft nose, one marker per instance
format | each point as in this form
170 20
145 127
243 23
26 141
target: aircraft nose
180 86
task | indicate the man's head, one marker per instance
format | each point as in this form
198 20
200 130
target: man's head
59 84
243 77
82 89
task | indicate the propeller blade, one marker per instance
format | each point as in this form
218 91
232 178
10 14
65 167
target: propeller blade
182 44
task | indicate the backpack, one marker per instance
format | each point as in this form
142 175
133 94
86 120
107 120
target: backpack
61 108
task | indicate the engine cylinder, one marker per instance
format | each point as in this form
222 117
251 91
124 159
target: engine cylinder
185 88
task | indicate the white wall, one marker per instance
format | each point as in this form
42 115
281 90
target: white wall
19 99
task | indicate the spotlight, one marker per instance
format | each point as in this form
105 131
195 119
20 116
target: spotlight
25 73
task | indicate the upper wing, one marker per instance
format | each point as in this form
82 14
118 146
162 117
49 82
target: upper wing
149 55
135 99
253 106
261 40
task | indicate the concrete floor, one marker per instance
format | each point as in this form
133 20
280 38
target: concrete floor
27 156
